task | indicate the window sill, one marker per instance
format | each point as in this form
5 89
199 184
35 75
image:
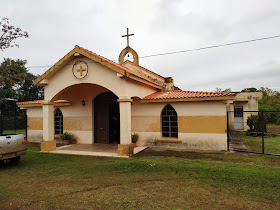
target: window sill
171 140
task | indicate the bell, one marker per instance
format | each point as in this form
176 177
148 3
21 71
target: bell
127 55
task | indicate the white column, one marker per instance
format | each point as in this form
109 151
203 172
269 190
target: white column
48 121
125 120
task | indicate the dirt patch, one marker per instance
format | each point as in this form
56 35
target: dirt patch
20 204
274 130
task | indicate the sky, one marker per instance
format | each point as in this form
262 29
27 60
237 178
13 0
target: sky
160 26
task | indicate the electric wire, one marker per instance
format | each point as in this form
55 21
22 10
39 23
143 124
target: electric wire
181 51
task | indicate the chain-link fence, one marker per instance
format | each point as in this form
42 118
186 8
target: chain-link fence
254 131
13 124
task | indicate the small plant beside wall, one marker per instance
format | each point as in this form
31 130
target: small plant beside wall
73 141
134 138
67 138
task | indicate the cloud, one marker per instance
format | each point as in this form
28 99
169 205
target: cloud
159 26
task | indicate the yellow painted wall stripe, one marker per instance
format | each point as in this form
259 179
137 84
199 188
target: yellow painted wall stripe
145 124
83 123
35 123
202 124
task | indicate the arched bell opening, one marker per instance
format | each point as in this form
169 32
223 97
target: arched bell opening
126 51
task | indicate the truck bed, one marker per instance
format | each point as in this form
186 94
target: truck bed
12 146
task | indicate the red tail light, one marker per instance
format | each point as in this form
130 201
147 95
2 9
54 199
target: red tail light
25 140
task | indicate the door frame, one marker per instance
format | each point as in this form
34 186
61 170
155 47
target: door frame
112 99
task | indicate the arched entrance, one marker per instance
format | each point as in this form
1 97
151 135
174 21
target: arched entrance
106 119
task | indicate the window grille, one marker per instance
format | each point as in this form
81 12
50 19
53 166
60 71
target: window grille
169 122
238 111
58 122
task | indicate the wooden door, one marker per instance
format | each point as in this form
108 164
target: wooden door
102 115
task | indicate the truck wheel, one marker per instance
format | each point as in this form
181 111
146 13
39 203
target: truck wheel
15 159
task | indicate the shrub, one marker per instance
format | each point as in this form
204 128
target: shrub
134 137
67 136
252 120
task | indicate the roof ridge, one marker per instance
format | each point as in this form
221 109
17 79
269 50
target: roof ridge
143 68
184 94
195 91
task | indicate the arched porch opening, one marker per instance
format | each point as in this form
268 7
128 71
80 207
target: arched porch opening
90 108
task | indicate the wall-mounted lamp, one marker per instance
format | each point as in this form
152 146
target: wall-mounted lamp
83 103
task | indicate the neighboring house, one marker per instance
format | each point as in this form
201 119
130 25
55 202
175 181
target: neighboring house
100 101
244 101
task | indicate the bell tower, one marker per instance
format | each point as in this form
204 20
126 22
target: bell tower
127 50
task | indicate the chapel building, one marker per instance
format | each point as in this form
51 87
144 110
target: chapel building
104 102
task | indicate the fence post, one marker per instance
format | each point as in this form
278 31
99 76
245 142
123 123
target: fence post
1 124
262 132
26 126
227 133
15 125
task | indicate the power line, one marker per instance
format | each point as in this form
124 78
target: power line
181 51
214 46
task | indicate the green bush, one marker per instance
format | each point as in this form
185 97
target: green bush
134 137
67 136
252 120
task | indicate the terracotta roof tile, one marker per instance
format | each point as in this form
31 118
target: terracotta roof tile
181 94
119 66
40 101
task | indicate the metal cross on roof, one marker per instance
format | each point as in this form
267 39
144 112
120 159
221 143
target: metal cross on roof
127 36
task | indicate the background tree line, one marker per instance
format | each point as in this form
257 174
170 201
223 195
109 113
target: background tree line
16 82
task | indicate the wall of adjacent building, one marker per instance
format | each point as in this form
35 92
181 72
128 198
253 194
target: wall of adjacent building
201 125
34 124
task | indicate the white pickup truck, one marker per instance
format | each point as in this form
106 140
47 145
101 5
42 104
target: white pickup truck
12 147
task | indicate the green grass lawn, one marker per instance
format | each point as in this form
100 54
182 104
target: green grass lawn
271 144
149 180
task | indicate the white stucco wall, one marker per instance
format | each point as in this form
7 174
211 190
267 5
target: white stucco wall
147 116
34 124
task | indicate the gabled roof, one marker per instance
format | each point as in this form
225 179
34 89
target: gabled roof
182 95
99 59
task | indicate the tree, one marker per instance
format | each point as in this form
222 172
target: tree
221 90
16 82
227 90
252 89
270 97
9 33
218 89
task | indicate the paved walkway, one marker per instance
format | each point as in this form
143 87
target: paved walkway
235 143
102 150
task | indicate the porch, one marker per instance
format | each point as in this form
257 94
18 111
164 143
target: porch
102 150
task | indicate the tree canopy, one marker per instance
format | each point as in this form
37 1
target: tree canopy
217 89
16 82
9 33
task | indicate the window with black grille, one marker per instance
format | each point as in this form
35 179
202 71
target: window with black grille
238 111
58 122
169 123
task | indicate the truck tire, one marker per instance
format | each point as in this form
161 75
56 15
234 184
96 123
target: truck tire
15 159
